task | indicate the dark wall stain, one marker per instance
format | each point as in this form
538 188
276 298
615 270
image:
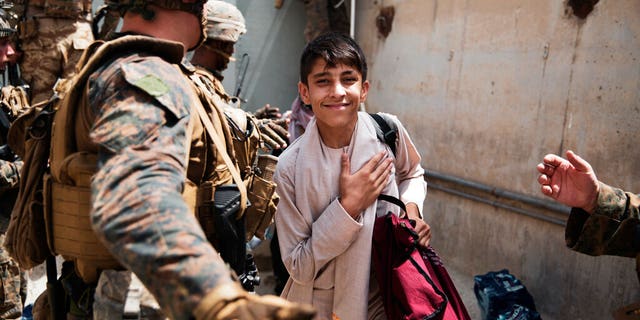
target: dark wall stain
582 8
385 20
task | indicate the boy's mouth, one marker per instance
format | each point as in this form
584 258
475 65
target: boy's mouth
338 105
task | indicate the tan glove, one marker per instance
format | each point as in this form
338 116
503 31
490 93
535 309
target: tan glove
230 301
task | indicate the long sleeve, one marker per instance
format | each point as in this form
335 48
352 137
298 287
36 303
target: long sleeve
613 228
138 210
304 255
409 172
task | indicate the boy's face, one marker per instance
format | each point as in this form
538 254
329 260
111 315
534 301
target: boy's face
334 94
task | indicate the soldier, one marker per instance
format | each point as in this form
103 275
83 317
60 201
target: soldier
225 25
604 219
134 133
11 297
53 34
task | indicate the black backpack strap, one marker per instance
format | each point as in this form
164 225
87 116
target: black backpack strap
393 200
388 132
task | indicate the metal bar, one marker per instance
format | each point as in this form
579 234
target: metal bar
499 204
532 201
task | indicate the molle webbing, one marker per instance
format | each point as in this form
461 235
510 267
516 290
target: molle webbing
66 9
67 189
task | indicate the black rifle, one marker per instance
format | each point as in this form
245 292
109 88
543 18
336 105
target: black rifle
230 232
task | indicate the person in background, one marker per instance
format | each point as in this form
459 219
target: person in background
11 295
53 35
225 25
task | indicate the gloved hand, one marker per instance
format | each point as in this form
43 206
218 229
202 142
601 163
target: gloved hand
274 133
268 112
230 301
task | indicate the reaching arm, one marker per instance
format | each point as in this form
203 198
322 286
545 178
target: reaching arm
569 181
411 184
138 211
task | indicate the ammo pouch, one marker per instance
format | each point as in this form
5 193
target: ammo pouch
69 232
257 174
218 217
261 194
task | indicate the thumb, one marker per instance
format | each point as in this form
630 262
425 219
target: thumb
577 162
345 165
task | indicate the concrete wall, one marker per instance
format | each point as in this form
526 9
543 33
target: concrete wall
487 88
274 42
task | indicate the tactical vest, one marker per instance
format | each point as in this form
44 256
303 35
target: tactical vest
256 168
69 9
73 161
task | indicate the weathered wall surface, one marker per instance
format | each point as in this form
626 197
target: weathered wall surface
273 42
487 88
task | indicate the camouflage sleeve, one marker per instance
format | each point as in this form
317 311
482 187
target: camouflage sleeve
612 229
138 209
10 174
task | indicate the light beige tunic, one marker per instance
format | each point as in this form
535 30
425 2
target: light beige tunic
327 253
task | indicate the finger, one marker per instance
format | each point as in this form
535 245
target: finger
545 169
283 123
345 165
373 162
274 135
577 161
425 238
382 174
546 190
379 187
553 160
383 164
279 130
270 142
543 179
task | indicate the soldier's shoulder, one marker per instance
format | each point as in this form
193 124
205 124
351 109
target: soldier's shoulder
155 77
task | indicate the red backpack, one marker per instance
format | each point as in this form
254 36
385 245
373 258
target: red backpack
413 281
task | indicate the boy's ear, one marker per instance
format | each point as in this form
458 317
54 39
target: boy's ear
364 91
303 89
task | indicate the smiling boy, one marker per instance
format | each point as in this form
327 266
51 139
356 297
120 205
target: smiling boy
329 180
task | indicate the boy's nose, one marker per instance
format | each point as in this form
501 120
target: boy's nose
338 90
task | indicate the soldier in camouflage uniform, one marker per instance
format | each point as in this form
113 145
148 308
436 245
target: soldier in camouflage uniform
604 220
53 34
225 25
135 121
10 279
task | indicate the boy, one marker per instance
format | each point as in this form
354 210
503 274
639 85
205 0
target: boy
327 210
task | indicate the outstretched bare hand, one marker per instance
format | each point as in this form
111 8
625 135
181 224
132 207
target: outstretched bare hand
570 181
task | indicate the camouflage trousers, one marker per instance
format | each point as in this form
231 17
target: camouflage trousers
12 284
52 53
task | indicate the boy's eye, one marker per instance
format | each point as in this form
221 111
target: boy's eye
322 81
350 79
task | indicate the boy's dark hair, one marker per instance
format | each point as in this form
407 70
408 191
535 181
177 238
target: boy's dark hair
334 48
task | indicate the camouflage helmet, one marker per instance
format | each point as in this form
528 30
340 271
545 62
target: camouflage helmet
224 21
5 28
